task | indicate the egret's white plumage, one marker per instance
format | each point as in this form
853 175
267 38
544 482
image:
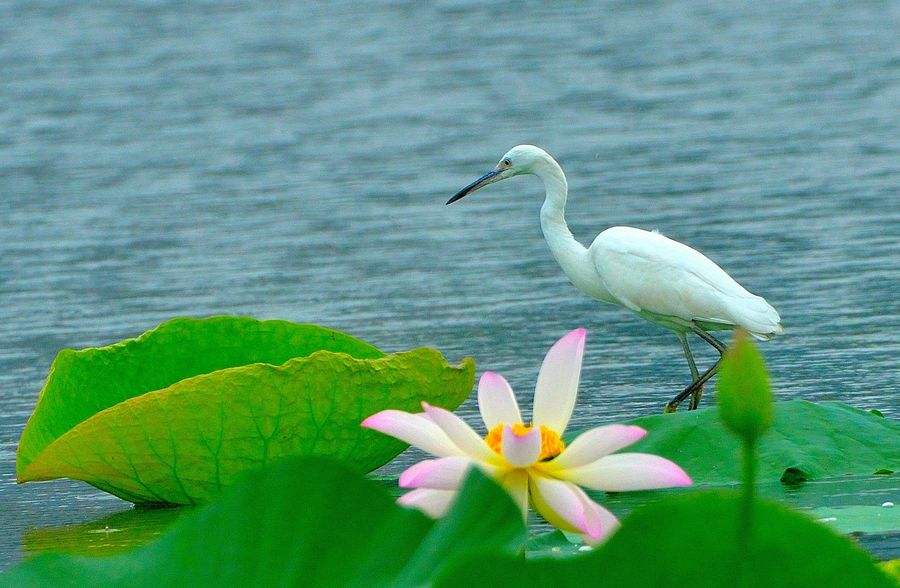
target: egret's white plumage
663 280
647 272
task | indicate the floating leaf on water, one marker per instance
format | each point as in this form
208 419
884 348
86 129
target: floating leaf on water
830 439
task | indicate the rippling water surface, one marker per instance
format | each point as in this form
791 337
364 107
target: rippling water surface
291 160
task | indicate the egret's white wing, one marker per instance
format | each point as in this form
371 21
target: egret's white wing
646 271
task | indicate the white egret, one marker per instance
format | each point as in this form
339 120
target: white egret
662 280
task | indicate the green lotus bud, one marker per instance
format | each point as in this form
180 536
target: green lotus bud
743 393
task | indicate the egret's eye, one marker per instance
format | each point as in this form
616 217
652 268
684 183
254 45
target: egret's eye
507 162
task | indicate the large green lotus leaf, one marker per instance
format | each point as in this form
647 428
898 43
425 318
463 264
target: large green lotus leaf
301 522
691 540
823 440
180 439
82 383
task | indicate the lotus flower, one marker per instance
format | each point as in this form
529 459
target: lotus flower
532 462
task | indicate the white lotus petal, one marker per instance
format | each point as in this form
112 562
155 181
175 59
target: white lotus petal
434 503
415 429
516 484
520 450
557 383
496 401
623 472
461 434
561 505
607 521
596 443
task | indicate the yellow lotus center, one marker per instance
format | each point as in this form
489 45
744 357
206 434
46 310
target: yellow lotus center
551 443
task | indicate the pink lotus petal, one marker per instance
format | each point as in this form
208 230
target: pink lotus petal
595 443
434 503
561 506
602 518
414 429
496 401
622 472
446 473
520 450
461 434
516 484
557 383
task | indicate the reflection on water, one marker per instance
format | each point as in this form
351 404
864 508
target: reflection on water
107 535
291 159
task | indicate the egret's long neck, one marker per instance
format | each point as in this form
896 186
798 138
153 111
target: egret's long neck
569 253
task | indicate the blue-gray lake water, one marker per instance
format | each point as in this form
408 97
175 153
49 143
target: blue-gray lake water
292 159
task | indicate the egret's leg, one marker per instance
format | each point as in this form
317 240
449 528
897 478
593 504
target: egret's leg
672 406
695 374
696 388
719 346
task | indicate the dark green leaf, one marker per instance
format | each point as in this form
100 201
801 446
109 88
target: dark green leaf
691 540
825 440
304 521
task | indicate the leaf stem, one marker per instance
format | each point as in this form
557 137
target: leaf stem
745 529
749 472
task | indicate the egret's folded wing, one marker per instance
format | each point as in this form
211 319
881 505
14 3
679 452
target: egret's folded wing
646 271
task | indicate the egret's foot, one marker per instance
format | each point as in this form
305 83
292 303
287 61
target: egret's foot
695 398
670 407
695 390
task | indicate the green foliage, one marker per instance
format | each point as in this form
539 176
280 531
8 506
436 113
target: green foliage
316 522
303 521
691 540
313 522
824 440
84 382
176 414
892 568
743 393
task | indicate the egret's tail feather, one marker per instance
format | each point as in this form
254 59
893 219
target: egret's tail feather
778 330
757 316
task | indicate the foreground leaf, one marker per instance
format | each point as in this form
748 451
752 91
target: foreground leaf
304 521
165 418
691 540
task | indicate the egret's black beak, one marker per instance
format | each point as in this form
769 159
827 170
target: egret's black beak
481 182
